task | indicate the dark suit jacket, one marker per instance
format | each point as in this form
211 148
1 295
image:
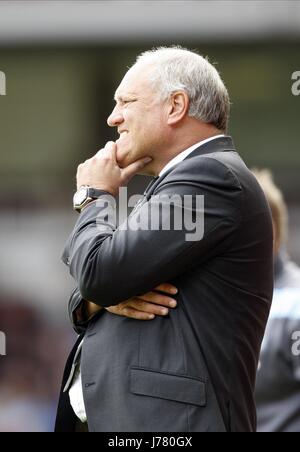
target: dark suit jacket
195 369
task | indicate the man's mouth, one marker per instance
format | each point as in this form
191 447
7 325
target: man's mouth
123 135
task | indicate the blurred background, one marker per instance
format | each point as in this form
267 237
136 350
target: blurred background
63 61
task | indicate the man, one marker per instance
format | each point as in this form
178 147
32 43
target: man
193 369
278 378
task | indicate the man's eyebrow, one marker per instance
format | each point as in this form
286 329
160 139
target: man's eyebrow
120 96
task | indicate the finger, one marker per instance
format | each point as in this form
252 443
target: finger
156 298
109 150
133 314
80 167
149 308
134 168
99 153
167 288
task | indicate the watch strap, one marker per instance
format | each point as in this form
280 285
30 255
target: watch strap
95 193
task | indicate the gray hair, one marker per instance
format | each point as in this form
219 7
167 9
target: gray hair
176 68
277 203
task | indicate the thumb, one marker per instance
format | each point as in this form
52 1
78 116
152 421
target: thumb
134 168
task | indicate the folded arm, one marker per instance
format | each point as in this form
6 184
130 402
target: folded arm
110 265
146 307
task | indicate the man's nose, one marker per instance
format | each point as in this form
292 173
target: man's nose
115 118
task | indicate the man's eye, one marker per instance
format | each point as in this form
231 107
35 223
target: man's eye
127 101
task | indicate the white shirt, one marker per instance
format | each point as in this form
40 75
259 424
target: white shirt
76 397
76 392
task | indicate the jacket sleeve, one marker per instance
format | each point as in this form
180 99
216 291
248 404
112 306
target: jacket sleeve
76 302
111 264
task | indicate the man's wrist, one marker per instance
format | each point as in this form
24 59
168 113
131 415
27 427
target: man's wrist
86 311
96 191
85 195
93 201
89 309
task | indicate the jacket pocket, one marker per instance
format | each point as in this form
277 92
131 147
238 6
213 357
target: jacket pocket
178 388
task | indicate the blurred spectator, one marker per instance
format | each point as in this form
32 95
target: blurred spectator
30 372
278 380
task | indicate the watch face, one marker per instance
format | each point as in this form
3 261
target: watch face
80 196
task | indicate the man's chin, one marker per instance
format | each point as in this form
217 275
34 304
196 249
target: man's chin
123 159
122 163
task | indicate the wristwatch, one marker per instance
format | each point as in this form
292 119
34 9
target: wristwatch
85 195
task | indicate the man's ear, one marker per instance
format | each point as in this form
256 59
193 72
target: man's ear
178 107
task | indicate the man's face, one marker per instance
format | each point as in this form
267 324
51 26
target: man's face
139 115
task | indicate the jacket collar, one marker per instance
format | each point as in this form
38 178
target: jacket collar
222 144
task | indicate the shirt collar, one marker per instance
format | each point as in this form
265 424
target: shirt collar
180 157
